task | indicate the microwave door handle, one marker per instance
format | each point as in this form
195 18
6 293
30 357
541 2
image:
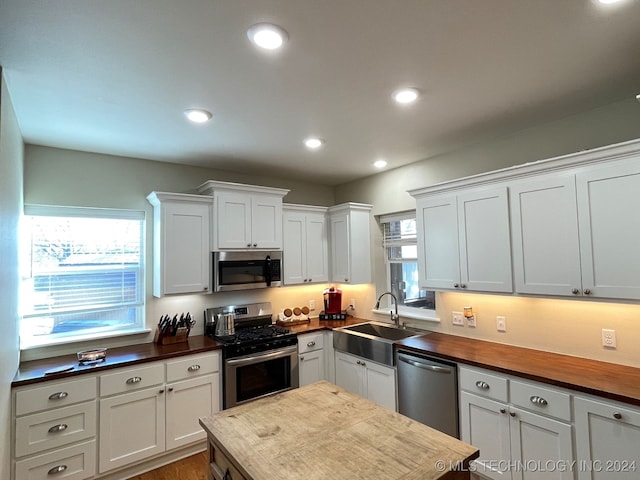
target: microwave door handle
267 270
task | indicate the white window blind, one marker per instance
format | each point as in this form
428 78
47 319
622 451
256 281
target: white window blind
83 273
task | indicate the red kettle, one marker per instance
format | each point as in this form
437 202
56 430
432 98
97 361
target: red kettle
332 300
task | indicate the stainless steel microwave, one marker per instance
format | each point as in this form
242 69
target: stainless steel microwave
246 270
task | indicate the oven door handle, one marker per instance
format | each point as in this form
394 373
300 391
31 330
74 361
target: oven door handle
238 362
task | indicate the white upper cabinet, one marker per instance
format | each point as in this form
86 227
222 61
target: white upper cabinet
463 240
246 217
306 251
609 221
576 234
544 226
350 243
181 243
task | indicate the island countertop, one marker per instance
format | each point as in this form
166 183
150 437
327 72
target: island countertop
321 431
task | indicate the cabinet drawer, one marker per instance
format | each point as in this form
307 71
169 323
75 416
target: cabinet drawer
309 343
192 366
131 379
220 467
61 426
55 394
481 382
537 398
69 463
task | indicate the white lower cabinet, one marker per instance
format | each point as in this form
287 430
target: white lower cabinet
138 423
523 429
368 379
607 439
311 358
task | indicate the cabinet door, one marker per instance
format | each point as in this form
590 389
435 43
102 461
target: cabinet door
233 228
311 367
295 248
266 222
607 440
438 257
317 248
131 427
544 228
186 248
187 402
484 423
350 374
541 442
485 246
608 206
340 254
380 384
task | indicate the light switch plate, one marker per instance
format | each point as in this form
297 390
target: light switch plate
457 318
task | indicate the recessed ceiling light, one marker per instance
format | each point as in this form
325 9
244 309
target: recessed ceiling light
406 95
267 36
380 163
607 2
638 97
313 143
198 115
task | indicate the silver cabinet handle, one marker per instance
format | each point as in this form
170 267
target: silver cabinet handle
617 415
161 391
171 389
302 359
193 368
456 285
58 396
536 400
575 291
513 414
424 366
587 291
61 427
248 245
255 244
57 469
463 286
482 385
503 410
311 344
133 380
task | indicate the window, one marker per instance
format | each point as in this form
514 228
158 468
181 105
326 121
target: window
83 274
401 256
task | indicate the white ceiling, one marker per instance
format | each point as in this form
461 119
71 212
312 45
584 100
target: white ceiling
114 76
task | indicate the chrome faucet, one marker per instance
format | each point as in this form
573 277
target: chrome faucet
395 318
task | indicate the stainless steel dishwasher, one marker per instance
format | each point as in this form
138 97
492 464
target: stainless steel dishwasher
428 391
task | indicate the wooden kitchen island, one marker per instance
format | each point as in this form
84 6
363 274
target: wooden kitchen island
324 432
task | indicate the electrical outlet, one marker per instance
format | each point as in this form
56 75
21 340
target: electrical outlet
457 318
471 321
312 304
608 338
353 303
501 324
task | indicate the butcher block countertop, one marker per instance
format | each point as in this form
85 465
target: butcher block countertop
322 431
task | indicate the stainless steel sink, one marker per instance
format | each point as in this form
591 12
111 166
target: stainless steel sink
372 340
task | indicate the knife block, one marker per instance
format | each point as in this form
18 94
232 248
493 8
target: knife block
182 335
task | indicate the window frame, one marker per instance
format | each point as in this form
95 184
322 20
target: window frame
138 305
403 310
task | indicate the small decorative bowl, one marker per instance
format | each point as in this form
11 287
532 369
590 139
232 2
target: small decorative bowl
92 356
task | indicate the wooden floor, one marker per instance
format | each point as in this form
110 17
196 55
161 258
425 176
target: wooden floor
190 468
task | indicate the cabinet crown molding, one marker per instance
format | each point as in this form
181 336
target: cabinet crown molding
583 158
156 198
365 207
211 186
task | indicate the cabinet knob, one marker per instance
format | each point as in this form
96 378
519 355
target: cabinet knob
255 244
503 410
301 359
575 291
171 389
161 391
61 427
587 291
346 280
463 286
482 385
206 288
133 380
58 396
512 413
311 344
456 285
310 280
536 400
57 469
248 245
193 368
617 415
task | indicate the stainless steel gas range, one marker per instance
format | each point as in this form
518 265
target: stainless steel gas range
259 358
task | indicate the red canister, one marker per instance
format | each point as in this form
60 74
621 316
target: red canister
332 300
